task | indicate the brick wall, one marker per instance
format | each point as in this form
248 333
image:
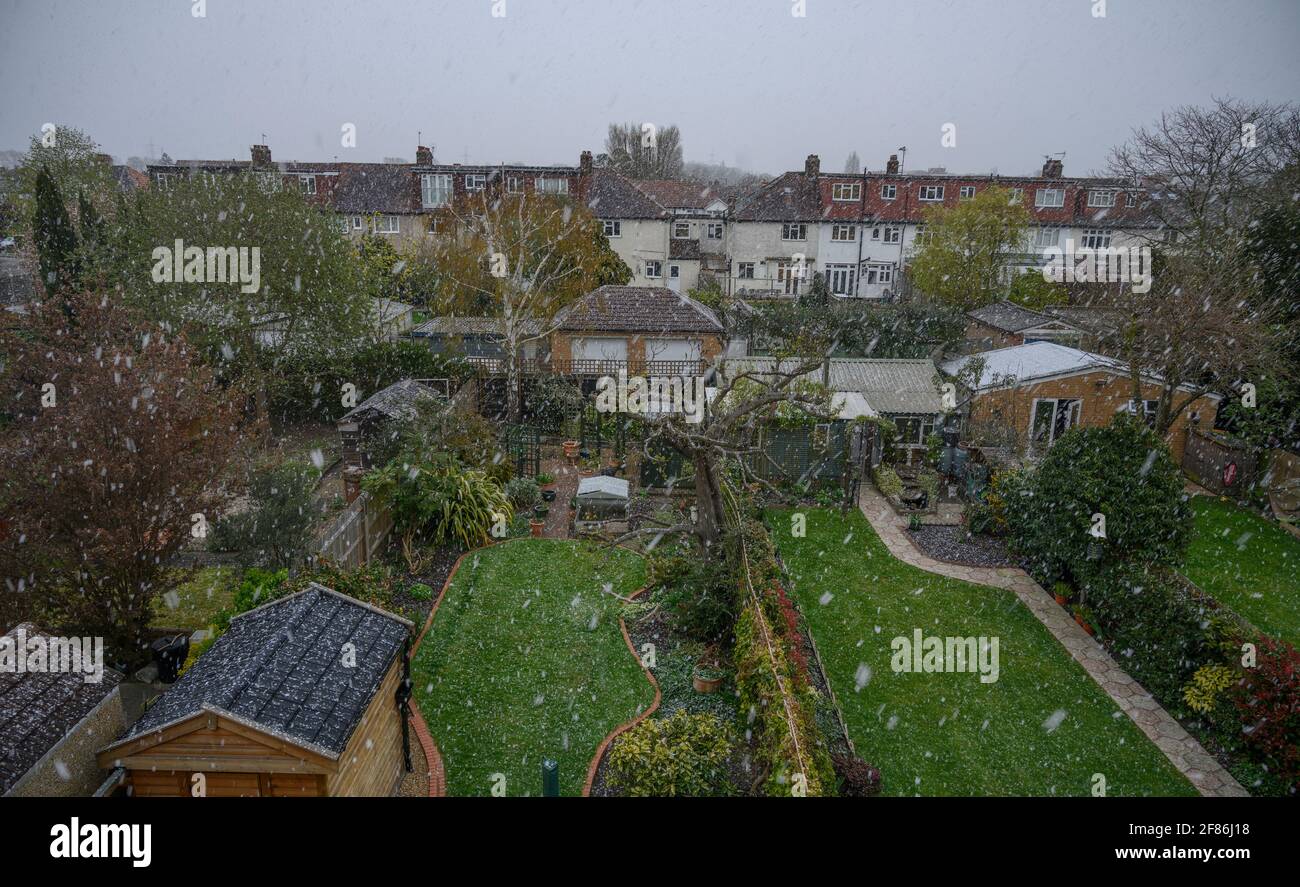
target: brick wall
1102 395
982 337
562 344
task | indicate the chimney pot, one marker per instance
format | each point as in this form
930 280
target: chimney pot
1053 168
261 155
892 166
812 166
584 163
423 156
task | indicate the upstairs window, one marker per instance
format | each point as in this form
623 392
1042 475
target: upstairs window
1096 238
308 184
514 185
846 191
386 225
681 230
930 193
888 192
435 189
552 185
714 231
1101 198
476 182
1017 196
1046 237
1049 197
613 228
844 232
797 231
967 192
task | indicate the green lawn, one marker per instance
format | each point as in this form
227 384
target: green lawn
1043 728
525 660
1247 563
194 603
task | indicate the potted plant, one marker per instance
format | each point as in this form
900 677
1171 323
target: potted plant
1061 591
540 511
535 527
570 450
707 679
1083 616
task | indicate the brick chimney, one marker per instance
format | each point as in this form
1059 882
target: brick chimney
812 167
105 159
584 163
261 155
1052 168
892 166
423 156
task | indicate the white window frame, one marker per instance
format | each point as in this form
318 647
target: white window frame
930 193
435 185
1042 241
1095 238
1017 196
1101 197
849 232
713 231
745 270
679 228
1056 195
922 420
658 269
557 185
612 228
791 228
476 181
1074 416
888 192
358 223
846 192
514 185
893 234
874 273
843 275
308 184
967 192
391 224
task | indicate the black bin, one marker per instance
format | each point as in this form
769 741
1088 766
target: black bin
169 654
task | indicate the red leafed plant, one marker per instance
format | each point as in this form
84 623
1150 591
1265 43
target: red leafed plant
1268 701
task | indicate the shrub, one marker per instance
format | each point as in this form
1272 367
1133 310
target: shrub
1158 628
258 587
682 756
523 493
1268 703
698 594
887 481
928 481
1204 692
276 529
420 591
1122 471
857 778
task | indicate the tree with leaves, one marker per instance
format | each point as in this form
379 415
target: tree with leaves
124 436
645 151
963 257
523 258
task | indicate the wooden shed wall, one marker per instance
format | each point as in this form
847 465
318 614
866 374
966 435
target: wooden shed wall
372 764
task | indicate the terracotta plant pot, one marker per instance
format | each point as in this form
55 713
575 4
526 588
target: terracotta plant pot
536 527
570 449
1084 625
1060 599
706 685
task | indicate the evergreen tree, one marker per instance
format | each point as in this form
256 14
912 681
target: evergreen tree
56 239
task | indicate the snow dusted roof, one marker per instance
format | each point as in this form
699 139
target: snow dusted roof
398 401
897 386
638 309
37 710
1033 360
280 668
601 486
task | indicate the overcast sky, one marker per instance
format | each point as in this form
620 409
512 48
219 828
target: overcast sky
748 83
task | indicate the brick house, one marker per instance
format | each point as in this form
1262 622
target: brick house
1027 396
643 330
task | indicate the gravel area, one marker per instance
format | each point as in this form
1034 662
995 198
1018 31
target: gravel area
952 544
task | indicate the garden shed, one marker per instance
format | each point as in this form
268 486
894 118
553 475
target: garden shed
601 499
303 696
401 400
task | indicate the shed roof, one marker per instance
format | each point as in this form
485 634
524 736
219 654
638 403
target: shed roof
39 709
889 385
1012 318
398 401
601 486
280 669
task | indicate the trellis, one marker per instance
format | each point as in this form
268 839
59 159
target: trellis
522 445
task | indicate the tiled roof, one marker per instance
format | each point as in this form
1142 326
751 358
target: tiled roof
639 309
612 196
37 710
1010 317
470 326
792 197
279 667
889 386
397 401
672 194
377 188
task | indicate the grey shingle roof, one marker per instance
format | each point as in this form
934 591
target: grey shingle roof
639 309
377 188
1009 317
38 710
280 667
611 196
397 401
890 386
470 326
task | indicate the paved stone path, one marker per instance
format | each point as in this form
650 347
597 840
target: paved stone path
1179 746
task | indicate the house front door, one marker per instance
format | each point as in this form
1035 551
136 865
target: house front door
675 278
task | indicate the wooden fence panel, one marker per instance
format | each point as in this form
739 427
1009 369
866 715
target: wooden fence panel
1218 465
357 534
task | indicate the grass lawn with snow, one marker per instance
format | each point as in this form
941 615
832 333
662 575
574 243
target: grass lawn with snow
525 661
1043 728
1247 563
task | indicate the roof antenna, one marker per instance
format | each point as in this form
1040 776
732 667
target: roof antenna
902 157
